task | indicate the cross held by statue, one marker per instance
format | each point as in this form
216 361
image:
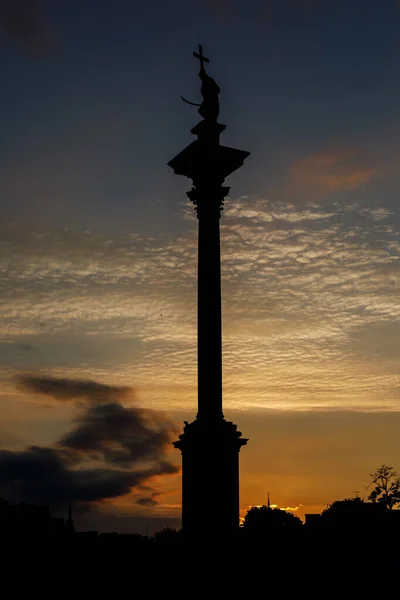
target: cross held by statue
201 57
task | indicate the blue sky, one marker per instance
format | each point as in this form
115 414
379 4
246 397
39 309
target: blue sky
98 105
98 242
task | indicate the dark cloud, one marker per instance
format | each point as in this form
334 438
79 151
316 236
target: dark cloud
24 20
41 475
125 448
146 502
72 389
120 436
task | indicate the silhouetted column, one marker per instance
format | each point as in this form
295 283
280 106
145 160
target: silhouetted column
210 445
209 330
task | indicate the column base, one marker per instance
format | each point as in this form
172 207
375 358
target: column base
210 477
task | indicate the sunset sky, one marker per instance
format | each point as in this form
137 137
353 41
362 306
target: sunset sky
98 249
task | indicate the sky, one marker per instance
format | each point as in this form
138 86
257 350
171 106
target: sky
98 249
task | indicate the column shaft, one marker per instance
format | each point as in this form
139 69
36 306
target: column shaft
209 331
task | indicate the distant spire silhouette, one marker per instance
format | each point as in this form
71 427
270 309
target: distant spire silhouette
70 522
269 501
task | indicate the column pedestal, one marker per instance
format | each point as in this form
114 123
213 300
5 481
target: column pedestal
210 478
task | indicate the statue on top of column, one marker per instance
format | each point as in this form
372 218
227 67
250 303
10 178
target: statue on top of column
209 108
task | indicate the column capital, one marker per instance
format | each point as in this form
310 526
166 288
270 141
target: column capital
208 199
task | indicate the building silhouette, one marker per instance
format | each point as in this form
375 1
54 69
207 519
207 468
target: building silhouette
210 444
30 521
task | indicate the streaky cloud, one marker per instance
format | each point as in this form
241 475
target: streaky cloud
71 389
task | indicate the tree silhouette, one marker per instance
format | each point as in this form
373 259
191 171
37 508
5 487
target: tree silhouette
263 518
343 509
353 513
387 487
168 535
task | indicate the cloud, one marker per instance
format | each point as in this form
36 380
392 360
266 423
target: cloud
118 435
24 21
125 447
286 509
71 389
300 284
146 502
290 508
40 475
329 172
